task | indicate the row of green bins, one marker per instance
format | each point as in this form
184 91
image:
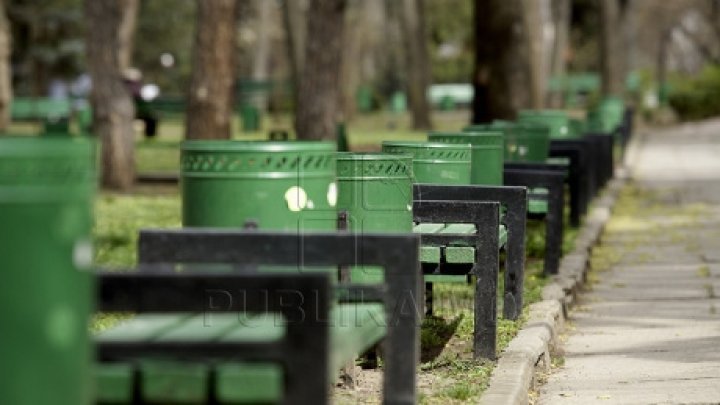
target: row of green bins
46 191
487 156
375 191
435 162
556 120
291 186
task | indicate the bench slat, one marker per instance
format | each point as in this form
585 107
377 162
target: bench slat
141 327
428 228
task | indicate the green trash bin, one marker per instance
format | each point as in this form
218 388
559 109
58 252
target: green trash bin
528 142
524 142
56 126
487 153
434 162
578 127
607 116
557 120
250 118
46 190
375 190
277 185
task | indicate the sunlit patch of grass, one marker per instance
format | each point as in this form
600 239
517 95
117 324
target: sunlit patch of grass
119 218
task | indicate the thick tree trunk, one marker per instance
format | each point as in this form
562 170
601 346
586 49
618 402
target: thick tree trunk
417 61
611 53
319 88
128 22
561 20
261 60
5 74
113 109
502 75
212 84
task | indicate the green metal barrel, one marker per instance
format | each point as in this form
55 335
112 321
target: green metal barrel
557 120
578 127
46 190
434 162
524 142
607 116
278 185
375 190
529 143
487 153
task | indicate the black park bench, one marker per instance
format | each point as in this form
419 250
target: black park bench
462 232
167 354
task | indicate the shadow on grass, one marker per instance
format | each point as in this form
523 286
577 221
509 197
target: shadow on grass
434 335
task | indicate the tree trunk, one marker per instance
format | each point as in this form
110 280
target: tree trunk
294 19
561 20
5 74
128 22
534 26
417 61
113 109
502 75
212 84
261 60
611 53
319 88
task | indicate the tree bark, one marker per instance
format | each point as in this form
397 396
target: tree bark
212 83
5 74
534 27
417 61
128 23
611 53
319 88
294 19
502 75
113 109
561 20
262 51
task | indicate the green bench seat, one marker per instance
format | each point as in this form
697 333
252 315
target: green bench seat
354 327
454 252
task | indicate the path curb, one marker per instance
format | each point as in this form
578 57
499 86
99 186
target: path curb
529 351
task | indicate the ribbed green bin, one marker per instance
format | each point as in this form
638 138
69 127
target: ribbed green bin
46 190
279 185
434 162
375 190
556 120
487 153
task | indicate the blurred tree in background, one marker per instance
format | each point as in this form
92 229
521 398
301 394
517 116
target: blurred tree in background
212 86
5 71
113 109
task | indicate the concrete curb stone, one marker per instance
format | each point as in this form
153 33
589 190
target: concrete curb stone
529 352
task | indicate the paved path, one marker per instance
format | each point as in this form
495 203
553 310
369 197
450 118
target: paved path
648 330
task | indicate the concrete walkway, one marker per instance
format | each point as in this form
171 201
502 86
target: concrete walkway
647 331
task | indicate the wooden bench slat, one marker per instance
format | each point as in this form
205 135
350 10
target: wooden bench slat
430 254
428 228
462 229
141 327
249 383
174 382
261 327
